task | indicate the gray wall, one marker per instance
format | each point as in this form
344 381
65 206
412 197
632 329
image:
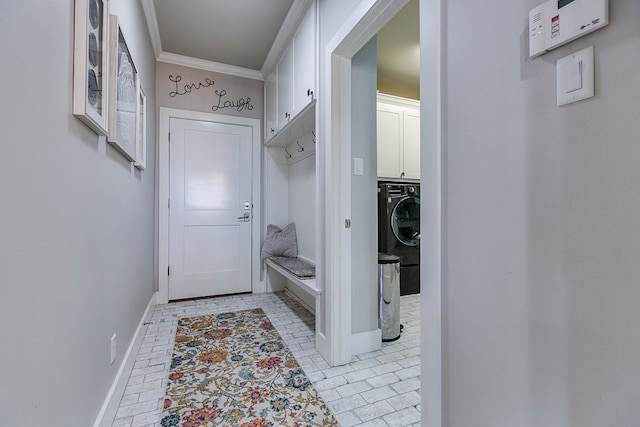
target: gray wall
245 96
333 14
364 197
541 225
76 224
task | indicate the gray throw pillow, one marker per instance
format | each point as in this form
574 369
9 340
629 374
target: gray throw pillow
280 241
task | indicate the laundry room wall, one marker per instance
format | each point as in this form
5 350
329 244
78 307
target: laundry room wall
364 198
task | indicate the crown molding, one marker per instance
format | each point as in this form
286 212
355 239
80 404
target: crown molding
152 24
187 61
398 100
285 34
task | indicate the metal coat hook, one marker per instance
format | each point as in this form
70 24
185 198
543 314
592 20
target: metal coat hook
301 149
288 155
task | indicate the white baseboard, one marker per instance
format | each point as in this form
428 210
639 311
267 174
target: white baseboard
259 287
323 347
110 406
365 342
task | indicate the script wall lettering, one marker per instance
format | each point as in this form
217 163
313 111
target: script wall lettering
186 89
221 100
239 104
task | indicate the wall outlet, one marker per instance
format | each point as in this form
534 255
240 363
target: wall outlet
113 348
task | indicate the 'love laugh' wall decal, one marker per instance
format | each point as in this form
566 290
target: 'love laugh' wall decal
221 100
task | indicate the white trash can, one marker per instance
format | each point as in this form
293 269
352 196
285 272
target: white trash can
389 294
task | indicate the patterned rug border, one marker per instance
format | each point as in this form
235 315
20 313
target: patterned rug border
234 369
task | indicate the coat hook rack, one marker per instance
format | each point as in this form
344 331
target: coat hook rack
301 149
288 155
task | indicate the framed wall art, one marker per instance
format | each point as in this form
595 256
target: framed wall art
90 64
141 130
123 93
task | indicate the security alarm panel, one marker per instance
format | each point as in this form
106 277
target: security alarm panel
557 22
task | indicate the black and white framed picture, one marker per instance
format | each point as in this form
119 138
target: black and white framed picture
90 64
123 93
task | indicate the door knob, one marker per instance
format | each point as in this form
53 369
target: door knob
245 218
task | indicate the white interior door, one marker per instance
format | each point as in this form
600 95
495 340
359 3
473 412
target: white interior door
210 211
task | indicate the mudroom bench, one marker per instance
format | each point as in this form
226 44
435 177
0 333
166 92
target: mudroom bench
300 274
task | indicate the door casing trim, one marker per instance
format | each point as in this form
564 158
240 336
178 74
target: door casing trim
162 180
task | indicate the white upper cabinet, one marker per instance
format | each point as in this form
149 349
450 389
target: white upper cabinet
270 106
389 123
398 148
285 88
411 149
294 80
304 62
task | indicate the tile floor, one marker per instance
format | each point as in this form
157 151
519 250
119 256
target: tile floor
380 388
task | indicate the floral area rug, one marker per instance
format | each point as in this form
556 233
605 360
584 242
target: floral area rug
233 369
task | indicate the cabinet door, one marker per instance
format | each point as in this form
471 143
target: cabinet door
270 107
389 124
285 88
304 61
411 152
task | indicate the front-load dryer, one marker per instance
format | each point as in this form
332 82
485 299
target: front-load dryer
399 230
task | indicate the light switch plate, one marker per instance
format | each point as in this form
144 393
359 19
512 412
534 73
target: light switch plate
358 166
575 78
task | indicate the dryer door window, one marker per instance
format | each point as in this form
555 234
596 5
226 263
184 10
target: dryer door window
405 221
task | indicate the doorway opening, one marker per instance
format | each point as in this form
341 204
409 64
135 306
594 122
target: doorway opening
336 175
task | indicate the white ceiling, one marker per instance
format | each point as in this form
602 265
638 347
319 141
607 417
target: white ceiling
247 36
399 54
238 33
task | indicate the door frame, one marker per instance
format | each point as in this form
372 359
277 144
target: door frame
335 173
166 114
